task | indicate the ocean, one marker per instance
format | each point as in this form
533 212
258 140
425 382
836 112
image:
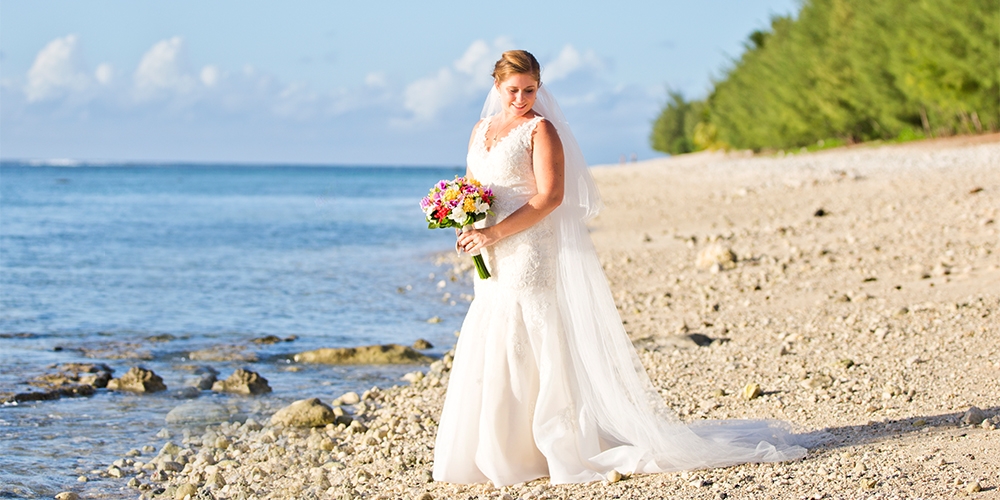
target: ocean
139 265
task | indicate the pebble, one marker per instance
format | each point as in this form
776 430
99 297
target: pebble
973 487
67 495
751 391
613 476
973 416
186 490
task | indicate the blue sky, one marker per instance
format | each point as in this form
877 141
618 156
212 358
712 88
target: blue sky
389 83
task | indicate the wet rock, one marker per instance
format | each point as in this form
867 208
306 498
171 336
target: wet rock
435 319
138 380
973 416
97 380
751 391
243 381
304 413
716 255
206 381
267 339
223 353
163 337
367 355
422 345
118 350
77 390
186 393
198 412
67 495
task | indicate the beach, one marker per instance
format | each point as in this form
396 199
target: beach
852 292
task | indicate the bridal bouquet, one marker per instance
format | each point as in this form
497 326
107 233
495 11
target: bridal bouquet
459 203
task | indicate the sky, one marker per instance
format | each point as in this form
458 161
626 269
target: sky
350 83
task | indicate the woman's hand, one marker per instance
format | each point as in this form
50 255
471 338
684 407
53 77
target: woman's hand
476 239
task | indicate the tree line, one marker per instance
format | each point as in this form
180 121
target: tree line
845 71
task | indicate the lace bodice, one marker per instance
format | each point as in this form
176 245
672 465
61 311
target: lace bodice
524 259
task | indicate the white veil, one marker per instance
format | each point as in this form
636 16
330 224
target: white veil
615 397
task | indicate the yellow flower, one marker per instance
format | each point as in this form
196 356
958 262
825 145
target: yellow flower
469 205
451 194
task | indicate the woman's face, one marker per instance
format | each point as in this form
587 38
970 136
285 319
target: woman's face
517 93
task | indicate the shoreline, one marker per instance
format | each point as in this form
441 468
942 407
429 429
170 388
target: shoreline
855 286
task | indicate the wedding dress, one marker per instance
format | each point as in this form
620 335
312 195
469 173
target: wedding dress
545 381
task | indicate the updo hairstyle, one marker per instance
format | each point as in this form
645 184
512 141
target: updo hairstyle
515 62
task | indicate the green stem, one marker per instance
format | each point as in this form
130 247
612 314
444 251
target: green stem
481 267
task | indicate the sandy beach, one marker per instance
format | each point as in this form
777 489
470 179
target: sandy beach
856 291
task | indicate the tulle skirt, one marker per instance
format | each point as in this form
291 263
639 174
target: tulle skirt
510 415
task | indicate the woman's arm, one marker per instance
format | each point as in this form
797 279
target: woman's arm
548 162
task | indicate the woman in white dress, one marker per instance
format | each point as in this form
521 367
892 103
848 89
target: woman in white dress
545 381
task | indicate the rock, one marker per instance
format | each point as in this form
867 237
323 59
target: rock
115 472
198 412
973 416
820 213
223 353
817 381
186 490
434 319
366 355
67 495
973 487
716 254
267 339
413 377
304 413
243 381
422 345
98 380
118 350
186 393
138 380
171 466
215 480
868 483
613 476
206 381
751 391
350 398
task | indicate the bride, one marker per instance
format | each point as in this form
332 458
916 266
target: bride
545 381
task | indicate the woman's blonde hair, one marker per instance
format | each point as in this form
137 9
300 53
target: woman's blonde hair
517 62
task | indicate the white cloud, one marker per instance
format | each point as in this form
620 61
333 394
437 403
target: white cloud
57 71
104 73
375 80
163 68
570 61
210 75
467 77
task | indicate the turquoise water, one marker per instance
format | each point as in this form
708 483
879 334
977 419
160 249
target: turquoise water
106 257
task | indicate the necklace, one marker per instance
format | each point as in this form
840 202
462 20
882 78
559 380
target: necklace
501 129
